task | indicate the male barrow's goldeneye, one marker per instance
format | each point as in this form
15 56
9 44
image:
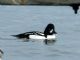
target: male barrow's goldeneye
49 33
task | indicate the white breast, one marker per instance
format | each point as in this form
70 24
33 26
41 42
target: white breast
51 36
42 37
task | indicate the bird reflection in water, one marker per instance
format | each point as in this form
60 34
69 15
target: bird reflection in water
49 42
46 41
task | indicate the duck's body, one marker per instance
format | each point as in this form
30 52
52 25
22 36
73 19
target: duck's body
49 33
40 35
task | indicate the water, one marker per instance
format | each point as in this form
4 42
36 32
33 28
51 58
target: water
19 19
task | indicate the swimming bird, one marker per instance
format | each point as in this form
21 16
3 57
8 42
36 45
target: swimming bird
49 33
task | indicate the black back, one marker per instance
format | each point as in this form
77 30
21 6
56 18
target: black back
49 30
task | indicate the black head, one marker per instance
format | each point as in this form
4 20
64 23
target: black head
49 30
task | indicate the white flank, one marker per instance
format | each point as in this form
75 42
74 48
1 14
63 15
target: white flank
42 37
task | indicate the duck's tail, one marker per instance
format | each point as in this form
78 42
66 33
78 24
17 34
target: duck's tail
20 36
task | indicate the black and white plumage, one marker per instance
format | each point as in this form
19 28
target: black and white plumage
49 33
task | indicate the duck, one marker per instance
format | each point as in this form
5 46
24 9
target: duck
49 33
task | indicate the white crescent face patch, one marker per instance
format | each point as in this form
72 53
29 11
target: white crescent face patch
51 30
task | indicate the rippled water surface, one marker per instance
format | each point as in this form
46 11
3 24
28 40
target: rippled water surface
19 19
